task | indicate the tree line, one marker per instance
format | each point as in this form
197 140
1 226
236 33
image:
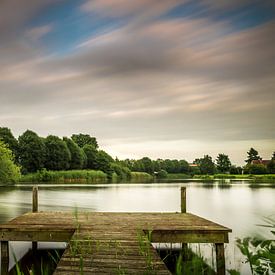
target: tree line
34 153
201 166
81 151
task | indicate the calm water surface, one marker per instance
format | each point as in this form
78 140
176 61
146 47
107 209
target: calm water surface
237 205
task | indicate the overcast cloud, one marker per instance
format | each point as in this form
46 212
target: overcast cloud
167 79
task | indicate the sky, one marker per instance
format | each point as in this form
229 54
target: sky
157 78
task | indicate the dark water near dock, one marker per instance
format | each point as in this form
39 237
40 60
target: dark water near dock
237 205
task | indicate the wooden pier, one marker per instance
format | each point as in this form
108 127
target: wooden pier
112 243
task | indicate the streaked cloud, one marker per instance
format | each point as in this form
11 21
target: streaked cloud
38 32
147 78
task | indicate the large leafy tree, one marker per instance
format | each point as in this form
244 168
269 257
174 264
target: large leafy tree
237 170
77 157
9 172
31 151
223 163
256 169
84 139
103 163
271 165
91 155
7 137
147 165
57 154
184 166
252 154
206 165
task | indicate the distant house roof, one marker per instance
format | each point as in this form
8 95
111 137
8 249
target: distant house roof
193 165
260 161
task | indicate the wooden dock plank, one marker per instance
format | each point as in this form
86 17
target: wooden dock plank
112 243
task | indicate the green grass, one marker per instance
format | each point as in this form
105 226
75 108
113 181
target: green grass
82 176
70 176
178 176
254 178
138 177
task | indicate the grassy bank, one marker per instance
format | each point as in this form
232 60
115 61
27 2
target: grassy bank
141 177
254 178
178 176
85 176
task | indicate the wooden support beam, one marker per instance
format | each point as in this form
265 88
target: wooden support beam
35 199
34 210
220 260
4 258
181 236
183 199
184 246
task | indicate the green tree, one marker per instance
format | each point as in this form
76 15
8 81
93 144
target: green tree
194 170
206 165
168 165
147 165
252 154
31 152
57 154
162 174
91 155
255 169
271 165
184 166
235 170
84 139
122 172
84 157
138 166
156 165
7 137
9 172
103 163
223 163
77 158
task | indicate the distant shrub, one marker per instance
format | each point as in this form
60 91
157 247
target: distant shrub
122 172
141 177
162 174
255 169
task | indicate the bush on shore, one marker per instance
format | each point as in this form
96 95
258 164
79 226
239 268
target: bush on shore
141 177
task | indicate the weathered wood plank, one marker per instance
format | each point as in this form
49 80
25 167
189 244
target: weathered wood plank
220 260
4 258
105 243
32 235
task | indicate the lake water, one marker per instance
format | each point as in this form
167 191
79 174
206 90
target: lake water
237 205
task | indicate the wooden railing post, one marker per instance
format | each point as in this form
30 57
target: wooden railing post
35 199
34 210
183 199
220 260
184 246
4 258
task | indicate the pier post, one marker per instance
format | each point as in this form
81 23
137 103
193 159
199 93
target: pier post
220 260
183 199
35 199
4 257
34 210
184 247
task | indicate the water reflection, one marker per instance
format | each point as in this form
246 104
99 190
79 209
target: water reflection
235 205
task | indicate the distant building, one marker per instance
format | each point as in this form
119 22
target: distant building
265 162
193 165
